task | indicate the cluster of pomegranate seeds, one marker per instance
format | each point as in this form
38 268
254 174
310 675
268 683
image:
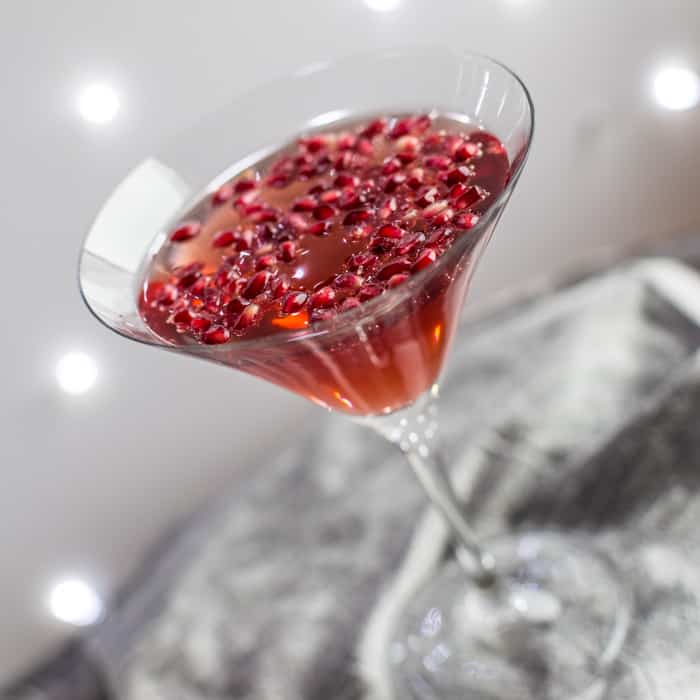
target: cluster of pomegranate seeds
330 223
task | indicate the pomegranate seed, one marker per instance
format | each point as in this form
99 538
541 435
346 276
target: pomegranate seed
364 147
264 215
438 162
346 141
467 220
245 200
294 302
369 291
288 251
362 262
396 280
435 208
182 318
223 239
425 259
348 280
280 287
394 182
236 305
188 280
466 151
216 335
304 204
257 284
197 289
320 229
410 243
245 185
408 144
390 231
200 324
391 165
422 123
460 174
349 304
323 298
345 180
443 217
245 240
360 232
457 191
394 268
185 232
401 127
470 198
406 157
223 194
350 199
266 261
415 178
323 212
314 144
278 181
378 126
249 317
387 208
330 196
427 196
356 216
164 295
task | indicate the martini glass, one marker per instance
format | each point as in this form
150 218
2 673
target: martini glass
524 615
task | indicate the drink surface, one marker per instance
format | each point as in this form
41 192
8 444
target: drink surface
310 234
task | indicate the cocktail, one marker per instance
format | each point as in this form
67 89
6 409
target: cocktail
331 256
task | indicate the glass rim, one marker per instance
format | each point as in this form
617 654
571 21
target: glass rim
391 298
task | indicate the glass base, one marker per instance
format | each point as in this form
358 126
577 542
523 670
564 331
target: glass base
550 629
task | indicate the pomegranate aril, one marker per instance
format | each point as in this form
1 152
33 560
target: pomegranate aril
320 228
438 162
467 220
466 151
298 222
278 181
266 262
460 174
415 178
457 191
364 147
425 259
166 295
345 180
280 286
185 231
348 280
346 141
223 194
421 124
356 216
390 231
264 215
307 203
396 280
223 239
394 182
360 232
374 128
443 217
182 318
216 335
391 165
361 262
350 199
470 198
323 298
257 284
288 251
401 128
330 196
369 291
294 302
427 196
388 207
245 185
245 200
249 317
236 306
200 324
435 208
410 244
393 268
323 212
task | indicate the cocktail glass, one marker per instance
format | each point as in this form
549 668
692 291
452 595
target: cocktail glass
524 615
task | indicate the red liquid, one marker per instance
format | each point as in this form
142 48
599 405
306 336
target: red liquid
316 231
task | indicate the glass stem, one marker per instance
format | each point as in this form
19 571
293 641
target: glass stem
415 431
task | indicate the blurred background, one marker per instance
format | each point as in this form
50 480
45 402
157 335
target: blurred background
104 444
